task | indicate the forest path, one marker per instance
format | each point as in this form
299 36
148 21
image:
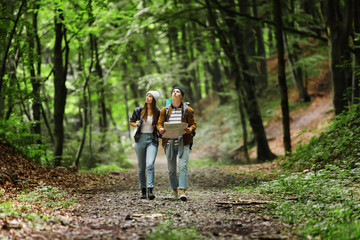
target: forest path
121 214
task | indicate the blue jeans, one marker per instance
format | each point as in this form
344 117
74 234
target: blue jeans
146 153
172 152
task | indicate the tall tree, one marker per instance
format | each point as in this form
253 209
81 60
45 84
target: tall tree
339 26
60 73
238 61
35 77
261 53
292 57
282 75
356 77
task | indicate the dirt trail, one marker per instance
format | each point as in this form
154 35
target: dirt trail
131 217
122 215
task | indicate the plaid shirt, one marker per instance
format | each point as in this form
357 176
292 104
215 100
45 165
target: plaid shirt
137 116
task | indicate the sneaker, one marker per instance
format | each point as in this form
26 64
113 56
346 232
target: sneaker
175 193
183 195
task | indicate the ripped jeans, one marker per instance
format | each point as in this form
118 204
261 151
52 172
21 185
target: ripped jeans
172 152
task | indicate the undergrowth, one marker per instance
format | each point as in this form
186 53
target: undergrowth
47 196
28 204
16 132
167 231
322 200
339 145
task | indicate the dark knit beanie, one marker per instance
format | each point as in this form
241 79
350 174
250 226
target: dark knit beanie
181 90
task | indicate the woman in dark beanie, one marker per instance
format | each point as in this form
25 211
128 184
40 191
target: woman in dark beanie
178 148
146 141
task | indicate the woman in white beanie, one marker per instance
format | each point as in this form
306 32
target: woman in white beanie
146 141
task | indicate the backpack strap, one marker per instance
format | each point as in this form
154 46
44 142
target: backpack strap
185 115
167 113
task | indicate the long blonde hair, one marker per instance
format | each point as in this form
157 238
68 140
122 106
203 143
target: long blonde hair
155 111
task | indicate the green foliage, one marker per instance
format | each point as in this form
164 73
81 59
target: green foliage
105 150
217 118
16 132
203 162
104 169
325 203
44 195
167 231
9 209
47 196
339 145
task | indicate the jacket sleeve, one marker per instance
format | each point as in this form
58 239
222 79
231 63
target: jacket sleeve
161 120
191 119
136 115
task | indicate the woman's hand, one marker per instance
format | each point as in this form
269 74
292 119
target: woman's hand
135 124
162 130
187 130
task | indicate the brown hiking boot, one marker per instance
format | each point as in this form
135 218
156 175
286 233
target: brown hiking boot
183 195
175 193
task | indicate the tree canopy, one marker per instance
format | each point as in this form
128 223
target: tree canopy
71 72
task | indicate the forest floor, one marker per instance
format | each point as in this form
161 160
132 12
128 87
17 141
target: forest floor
108 205
113 210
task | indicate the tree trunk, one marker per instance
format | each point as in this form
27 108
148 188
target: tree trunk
47 125
270 39
60 87
292 57
260 45
249 47
103 122
253 110
356 83
296 72
92 159
195 76
84 119
309 7
127 109
252 107
84 122
339 29
186 79
215 70
35 81
12 82
282 76
242 118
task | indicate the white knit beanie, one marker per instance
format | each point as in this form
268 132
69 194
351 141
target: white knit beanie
155 95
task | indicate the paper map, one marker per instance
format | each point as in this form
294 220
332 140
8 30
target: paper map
174 130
